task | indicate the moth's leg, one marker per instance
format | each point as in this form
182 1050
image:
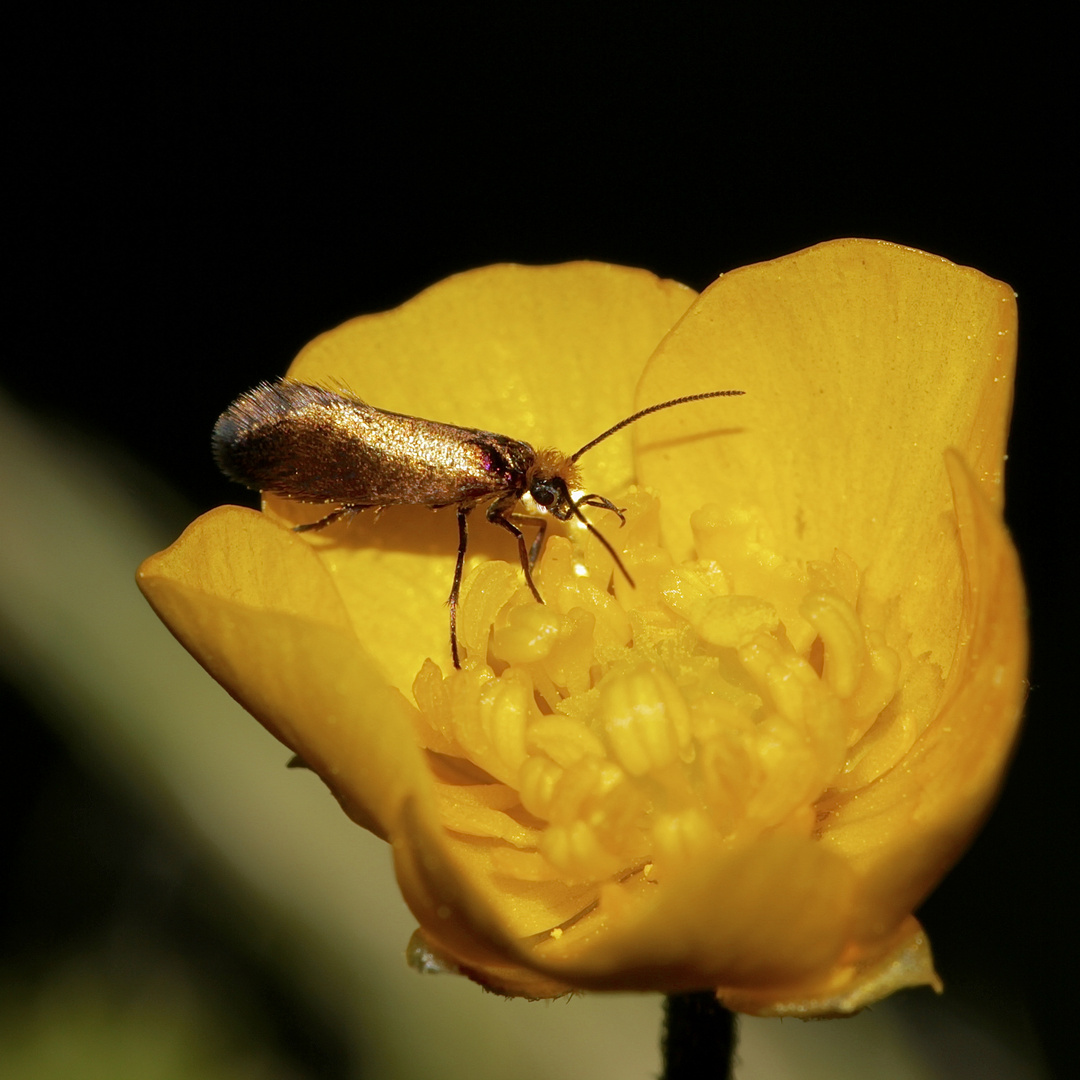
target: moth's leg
541 524
497 516
455 589
342 513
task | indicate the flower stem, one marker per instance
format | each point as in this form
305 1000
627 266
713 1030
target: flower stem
699 1037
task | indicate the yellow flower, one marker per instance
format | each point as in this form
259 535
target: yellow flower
747 771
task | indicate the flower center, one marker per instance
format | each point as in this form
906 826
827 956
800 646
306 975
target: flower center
599 737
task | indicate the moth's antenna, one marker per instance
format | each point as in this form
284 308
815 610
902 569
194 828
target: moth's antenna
651 409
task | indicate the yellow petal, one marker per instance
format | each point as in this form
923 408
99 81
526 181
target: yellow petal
907 828
904 962
251 602
862 363
548 355
727 923
467 910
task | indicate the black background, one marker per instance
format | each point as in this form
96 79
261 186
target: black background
198 192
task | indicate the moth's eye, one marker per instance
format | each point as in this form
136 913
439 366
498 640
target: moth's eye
544 493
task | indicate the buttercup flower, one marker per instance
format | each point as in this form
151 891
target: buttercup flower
746 771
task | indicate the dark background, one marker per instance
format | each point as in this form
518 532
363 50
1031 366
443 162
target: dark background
199 192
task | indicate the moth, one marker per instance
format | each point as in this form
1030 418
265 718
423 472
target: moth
315 445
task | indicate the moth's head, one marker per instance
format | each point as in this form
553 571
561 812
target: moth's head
552 478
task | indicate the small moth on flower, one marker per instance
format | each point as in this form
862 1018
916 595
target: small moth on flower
316 445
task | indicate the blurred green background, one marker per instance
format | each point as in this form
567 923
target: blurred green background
198 192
